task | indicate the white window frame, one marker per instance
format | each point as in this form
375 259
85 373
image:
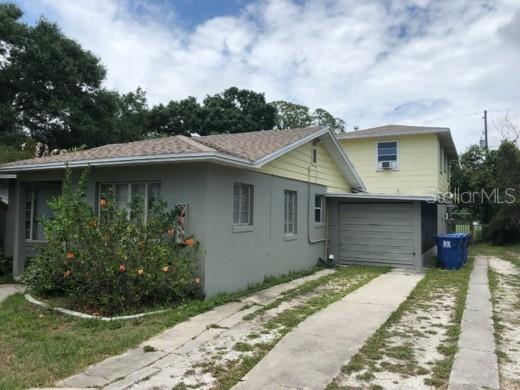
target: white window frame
34 191
250 203
321 208
441 158
290 228
31 216
314 155
397 151
129 197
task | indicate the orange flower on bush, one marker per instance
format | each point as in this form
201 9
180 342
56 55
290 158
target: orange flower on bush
197 280
70 255
165 268
93 223
122 268
140 271
171 232
67 273
189 242
102 202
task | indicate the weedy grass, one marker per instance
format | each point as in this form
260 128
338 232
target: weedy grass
39 347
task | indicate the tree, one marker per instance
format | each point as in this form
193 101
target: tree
177 117
494 179
292 116
236 110
321 117
51 87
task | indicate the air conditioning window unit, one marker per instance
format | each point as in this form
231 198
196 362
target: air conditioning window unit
387 164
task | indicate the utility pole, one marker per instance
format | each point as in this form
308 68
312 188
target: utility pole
485 130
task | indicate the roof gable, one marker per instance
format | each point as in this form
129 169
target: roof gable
252 149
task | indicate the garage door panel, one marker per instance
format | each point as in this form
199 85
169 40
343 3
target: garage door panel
378 221
381 246
376 234
377 208
375 214
375 240
377 255
373 229
381 261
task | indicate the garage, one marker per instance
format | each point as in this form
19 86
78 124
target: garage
376 234
380 229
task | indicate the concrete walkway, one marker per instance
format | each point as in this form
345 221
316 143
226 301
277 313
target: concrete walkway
312 354
9 289
122 371
475 365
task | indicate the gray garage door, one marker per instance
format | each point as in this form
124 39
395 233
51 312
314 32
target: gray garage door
376 234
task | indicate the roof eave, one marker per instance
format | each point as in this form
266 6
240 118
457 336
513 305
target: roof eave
135 160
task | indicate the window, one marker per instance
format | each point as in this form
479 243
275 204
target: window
37 208
318 209
289 212
387 153
441 159
314 154
242 204
144 194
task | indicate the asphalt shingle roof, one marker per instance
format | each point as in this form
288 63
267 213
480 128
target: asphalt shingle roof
250 146
389 130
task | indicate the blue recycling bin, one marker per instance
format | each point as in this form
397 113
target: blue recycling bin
450 250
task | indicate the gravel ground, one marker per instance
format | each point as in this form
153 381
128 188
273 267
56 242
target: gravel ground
202 363
506 299
411 350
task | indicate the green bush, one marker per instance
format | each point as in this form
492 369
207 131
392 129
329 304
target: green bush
113 262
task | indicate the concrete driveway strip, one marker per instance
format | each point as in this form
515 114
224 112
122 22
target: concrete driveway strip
9 289
311 355
475 365
135 364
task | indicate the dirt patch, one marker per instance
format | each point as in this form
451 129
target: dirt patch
410 349
505 279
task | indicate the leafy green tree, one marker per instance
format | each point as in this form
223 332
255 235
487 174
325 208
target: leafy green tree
45 79
321 117
236 110
177 117
494 177
291 115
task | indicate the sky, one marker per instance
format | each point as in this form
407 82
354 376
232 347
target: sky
371 62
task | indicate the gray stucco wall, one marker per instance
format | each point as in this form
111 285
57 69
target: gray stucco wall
235 259
232 259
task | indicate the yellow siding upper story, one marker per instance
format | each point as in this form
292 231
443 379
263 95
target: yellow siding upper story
418 171
297 165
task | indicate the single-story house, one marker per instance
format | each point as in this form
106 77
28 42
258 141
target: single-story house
261 203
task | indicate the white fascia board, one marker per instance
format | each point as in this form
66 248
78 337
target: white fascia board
344 163
440 130
374 196
135 160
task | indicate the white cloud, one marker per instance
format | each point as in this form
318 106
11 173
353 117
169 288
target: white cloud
424 62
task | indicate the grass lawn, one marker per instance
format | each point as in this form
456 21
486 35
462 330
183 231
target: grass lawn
417 344
38 346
